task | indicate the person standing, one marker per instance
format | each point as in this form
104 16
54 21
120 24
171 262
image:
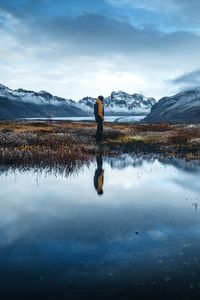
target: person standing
99 117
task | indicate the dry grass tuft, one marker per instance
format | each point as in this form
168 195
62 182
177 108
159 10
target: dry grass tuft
68 143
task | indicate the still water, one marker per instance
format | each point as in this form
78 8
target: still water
120 228
118 119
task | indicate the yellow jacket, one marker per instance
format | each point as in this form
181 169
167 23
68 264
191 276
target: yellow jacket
100 109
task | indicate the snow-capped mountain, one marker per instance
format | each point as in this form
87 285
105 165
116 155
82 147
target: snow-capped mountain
40 98
22 103
121 103
29 104
183 107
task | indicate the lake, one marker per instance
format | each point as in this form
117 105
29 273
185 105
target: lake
119 119
125 227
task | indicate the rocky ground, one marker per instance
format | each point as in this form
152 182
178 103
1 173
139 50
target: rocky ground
64 143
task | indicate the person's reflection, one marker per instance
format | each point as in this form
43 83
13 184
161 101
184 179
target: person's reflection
99 175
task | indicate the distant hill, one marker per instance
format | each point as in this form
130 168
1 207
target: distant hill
22 103
183 107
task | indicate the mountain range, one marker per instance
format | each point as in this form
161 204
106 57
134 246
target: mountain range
183 107
22 103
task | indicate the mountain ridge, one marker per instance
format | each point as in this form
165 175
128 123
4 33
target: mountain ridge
182 107
21 103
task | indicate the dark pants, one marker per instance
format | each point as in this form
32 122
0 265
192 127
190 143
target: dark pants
99 131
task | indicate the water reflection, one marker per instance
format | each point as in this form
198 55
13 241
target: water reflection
59 240
64 169
99 175
118 162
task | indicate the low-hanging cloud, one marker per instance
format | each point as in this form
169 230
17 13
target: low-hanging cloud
187 80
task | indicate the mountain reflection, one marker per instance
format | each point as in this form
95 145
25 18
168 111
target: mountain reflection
127 160
120 162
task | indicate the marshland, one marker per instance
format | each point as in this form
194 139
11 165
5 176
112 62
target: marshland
63 142
111 220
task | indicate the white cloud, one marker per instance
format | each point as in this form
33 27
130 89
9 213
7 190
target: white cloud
133 60
154 5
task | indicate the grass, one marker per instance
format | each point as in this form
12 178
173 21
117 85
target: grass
64 143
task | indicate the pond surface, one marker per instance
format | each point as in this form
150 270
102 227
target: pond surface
122 228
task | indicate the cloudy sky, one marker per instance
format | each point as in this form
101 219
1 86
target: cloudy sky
75 48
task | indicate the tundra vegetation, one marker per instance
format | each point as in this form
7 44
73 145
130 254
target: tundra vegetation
67 145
